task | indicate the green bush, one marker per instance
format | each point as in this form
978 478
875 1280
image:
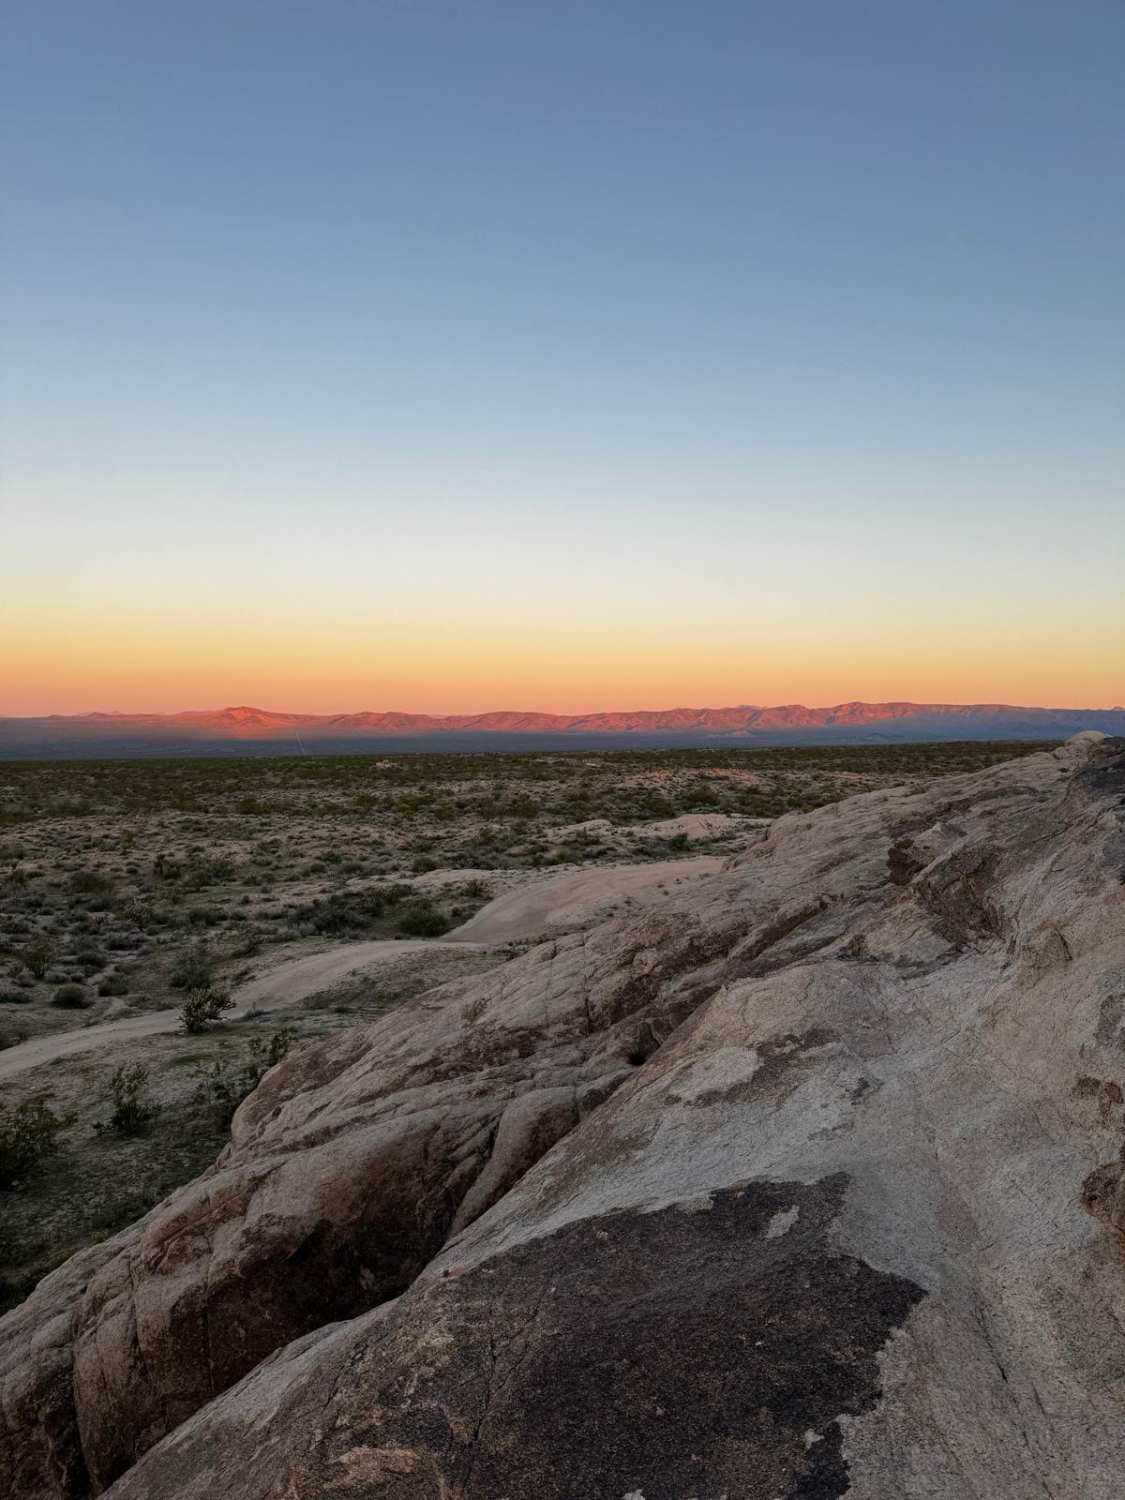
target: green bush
164 868
27 1134
200 872
133 1113
224 1083
423 920
70 997
37 956
137 911
203 1006
193 970
349 911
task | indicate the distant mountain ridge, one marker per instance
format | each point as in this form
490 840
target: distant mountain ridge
791 722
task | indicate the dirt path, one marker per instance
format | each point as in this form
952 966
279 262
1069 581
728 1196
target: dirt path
555 902
287 985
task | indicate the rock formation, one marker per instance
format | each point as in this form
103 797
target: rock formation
790 1186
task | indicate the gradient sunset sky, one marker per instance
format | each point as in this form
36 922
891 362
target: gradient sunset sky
571 356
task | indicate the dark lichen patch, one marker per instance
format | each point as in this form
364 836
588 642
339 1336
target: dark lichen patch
1103 1193
782 1052
672 1353
1111 1022
1106 1094
953 891
1106 776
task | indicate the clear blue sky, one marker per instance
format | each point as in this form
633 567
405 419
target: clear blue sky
515 312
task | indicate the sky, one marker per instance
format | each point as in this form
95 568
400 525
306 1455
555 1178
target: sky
567 356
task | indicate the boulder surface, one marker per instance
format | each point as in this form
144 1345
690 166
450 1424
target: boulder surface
806 1181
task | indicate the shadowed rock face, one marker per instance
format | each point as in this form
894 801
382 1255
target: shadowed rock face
663 1352
776 1189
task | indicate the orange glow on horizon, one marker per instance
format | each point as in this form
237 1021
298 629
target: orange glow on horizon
166 665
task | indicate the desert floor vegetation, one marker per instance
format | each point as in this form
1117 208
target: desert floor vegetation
91 1142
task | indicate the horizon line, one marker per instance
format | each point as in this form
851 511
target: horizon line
756 707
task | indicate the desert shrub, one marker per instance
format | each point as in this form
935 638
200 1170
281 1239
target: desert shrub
70 997
251 944
115 984
127 1089
423 920
88 883
135 910
192 970
27 1134
655 807
14 997
349 911
90 959
205 916
201 871
265 1053
202 1007
225 1082
37 957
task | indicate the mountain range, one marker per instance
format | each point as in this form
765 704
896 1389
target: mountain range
213 730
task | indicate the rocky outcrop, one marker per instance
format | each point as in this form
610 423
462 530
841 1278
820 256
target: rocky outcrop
775 1189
